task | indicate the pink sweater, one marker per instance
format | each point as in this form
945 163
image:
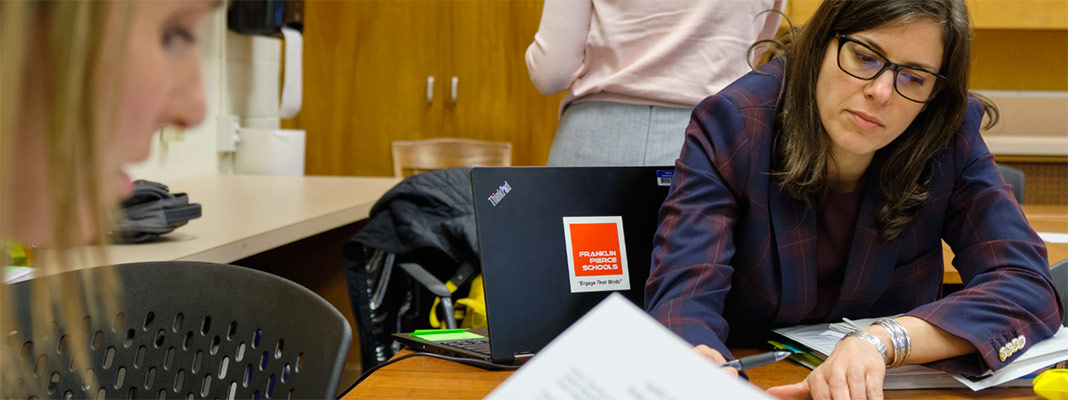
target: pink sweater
650 52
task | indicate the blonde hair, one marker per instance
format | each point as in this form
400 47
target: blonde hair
51 68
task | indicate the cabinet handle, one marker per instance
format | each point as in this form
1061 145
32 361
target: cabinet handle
455 82
430 90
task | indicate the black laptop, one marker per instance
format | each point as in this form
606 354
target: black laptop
553 242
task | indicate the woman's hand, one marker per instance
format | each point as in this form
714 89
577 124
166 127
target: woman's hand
854 370
713 354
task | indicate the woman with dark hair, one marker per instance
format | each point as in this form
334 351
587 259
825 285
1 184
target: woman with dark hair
821 186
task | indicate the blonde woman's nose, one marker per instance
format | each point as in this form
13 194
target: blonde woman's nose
187 106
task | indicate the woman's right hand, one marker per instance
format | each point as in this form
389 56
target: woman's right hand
713 354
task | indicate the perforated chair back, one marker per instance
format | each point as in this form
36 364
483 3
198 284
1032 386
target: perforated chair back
191 330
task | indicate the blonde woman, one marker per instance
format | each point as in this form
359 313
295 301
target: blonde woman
83 86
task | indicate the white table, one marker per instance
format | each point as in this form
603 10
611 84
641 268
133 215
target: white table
248 214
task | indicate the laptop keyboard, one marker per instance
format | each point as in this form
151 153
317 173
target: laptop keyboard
480 345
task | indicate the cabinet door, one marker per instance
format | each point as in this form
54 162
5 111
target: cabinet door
495 99
366 65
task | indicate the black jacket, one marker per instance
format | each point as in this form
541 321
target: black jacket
427 219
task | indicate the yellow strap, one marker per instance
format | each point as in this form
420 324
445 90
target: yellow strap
433 314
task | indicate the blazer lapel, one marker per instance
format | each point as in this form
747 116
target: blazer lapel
795 236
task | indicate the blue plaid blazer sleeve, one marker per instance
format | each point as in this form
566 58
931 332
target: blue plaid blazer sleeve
1009 301
695 240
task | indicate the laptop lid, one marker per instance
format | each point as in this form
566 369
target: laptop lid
555 241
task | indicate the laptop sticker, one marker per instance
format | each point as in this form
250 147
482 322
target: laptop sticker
596 254
664 177
498 195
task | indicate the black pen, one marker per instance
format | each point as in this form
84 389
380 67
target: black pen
758 360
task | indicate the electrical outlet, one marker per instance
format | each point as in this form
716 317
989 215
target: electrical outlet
172 134
226 133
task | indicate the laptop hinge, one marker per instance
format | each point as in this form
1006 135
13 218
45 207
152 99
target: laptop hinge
521 358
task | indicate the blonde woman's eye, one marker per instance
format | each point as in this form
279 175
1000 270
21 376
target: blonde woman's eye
177 36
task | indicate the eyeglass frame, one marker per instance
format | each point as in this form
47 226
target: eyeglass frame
887 64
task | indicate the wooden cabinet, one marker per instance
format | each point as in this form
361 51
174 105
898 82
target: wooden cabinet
366 70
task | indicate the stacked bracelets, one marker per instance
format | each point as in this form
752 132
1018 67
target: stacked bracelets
870 339
900 338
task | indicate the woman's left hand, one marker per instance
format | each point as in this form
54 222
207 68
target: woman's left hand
854 370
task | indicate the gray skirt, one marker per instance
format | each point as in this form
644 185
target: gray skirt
605 133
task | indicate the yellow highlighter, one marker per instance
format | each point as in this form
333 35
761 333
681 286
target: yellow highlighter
1052 384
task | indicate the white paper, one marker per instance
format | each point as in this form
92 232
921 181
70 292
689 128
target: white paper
292 82
13 274
821 338
1053 237
618 352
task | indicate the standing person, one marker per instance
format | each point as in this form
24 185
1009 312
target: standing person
822 185
84 85
635 69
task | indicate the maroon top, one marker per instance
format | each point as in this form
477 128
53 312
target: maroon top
837 220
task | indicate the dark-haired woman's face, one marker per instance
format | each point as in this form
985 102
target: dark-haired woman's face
863 116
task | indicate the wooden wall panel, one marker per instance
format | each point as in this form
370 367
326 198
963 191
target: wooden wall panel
496 99
365 70
1018 45
366 65
1020 60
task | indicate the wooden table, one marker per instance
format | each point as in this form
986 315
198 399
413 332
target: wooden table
431 378
1043 218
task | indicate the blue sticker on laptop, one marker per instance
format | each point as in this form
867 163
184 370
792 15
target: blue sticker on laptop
663 178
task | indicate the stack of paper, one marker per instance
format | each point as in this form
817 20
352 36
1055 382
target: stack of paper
821 339
618 352
13 274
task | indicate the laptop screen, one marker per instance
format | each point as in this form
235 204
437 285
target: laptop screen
555 241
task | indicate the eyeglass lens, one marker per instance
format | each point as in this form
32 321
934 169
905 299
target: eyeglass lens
864 63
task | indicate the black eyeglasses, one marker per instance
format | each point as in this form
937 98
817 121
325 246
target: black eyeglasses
863 62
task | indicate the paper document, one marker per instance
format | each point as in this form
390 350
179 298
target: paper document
821 339
618 352
1052 237
14 274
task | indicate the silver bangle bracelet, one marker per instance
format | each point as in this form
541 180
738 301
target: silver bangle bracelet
871 339
900 339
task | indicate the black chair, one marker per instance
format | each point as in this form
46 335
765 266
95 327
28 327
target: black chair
1015 178
1059 271
188 330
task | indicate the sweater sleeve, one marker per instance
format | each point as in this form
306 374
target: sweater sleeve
557 55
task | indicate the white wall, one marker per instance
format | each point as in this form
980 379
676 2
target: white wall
1031 123
241 78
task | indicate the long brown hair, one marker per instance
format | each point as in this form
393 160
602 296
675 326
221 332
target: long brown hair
802 145
52 90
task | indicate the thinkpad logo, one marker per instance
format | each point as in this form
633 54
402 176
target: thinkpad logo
502 191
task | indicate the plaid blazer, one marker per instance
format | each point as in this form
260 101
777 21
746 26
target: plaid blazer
731 247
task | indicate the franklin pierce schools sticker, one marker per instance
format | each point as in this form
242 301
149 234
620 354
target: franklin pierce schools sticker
596 254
